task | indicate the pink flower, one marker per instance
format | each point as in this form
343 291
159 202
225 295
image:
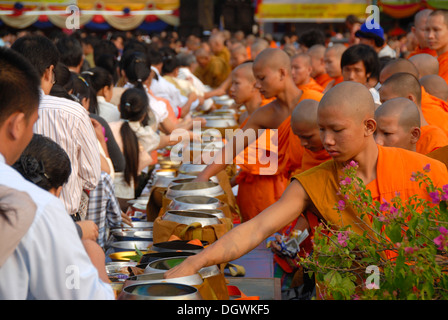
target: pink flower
385 206
353 164
443 231
410 250
427 168
440 241
346 181
342 238
435 197
341 205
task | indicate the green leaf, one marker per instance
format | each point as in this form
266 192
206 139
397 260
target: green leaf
393 231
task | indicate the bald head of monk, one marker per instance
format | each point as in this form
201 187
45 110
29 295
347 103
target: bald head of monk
242 87
332 60
301 68
401 85
304 124
397 66
398 124
272 70
425 63
435 85
317 53
346 121
238 55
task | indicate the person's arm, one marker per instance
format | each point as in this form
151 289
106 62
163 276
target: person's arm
245 237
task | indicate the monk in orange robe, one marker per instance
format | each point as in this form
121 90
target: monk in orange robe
405 85
272 70
317 52
301 73
436 86
418 30
425 64
440 154
349 106
332 59
436 36
433 108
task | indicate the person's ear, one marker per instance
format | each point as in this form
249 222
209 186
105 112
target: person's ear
370 127
415 135
17 124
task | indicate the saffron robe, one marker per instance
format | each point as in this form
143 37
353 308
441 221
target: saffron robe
311 85
433 111
443 65
419 50
323 79
431 138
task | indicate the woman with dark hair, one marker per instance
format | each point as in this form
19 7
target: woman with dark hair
101 86
360 63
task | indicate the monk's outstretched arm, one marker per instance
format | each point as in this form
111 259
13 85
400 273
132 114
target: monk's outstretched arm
245 237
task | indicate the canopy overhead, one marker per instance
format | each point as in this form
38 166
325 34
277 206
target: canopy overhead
101 14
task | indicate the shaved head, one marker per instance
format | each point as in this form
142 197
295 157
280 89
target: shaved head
397 66
425 63
317 53
402 109
398 124
274 59
245 70
403 85
304 124
435 85
353 97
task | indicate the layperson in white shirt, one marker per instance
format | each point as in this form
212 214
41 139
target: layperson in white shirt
64 121
47 260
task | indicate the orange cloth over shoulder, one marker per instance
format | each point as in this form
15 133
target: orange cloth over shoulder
433 111
311 85
258 190
394 170
323 79
440 154
418 50
443 65
431 138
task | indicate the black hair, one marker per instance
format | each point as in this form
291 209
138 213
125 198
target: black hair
364 53
110 63
170 63
63 82
155 57
104 47
19 85
135 66
312 37
81 90
71 51
44 163
39 50
97 78
133 107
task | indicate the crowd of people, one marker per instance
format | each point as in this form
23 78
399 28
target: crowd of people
82 118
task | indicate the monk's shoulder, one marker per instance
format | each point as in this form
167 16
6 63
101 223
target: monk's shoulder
311 94
416 161
265 116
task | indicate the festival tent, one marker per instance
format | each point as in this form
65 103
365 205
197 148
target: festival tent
150 15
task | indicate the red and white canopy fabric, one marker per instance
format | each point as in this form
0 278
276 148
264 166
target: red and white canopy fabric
118 14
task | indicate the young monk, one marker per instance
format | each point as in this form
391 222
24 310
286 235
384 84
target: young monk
436 35
301 70
272 70
346 122
398 124
319 74
332 59
435 85
430 105
418 30
405 85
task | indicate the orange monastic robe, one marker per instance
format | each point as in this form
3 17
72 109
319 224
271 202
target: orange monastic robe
418 50
394 170
440 154
443 66
312 85
431 138
323 79
257 191
433 111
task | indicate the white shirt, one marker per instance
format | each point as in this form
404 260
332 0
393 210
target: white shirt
164 89
50 262
387 51
107 110
186 74
69 125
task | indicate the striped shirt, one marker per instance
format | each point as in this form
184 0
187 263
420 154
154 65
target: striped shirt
69 125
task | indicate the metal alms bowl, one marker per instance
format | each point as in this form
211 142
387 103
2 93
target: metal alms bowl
131 245
220 122
134 235
152 256
192 168
165 264
194 202
192 280
139 225
214 212
205 188
160 291
178 246
189 217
